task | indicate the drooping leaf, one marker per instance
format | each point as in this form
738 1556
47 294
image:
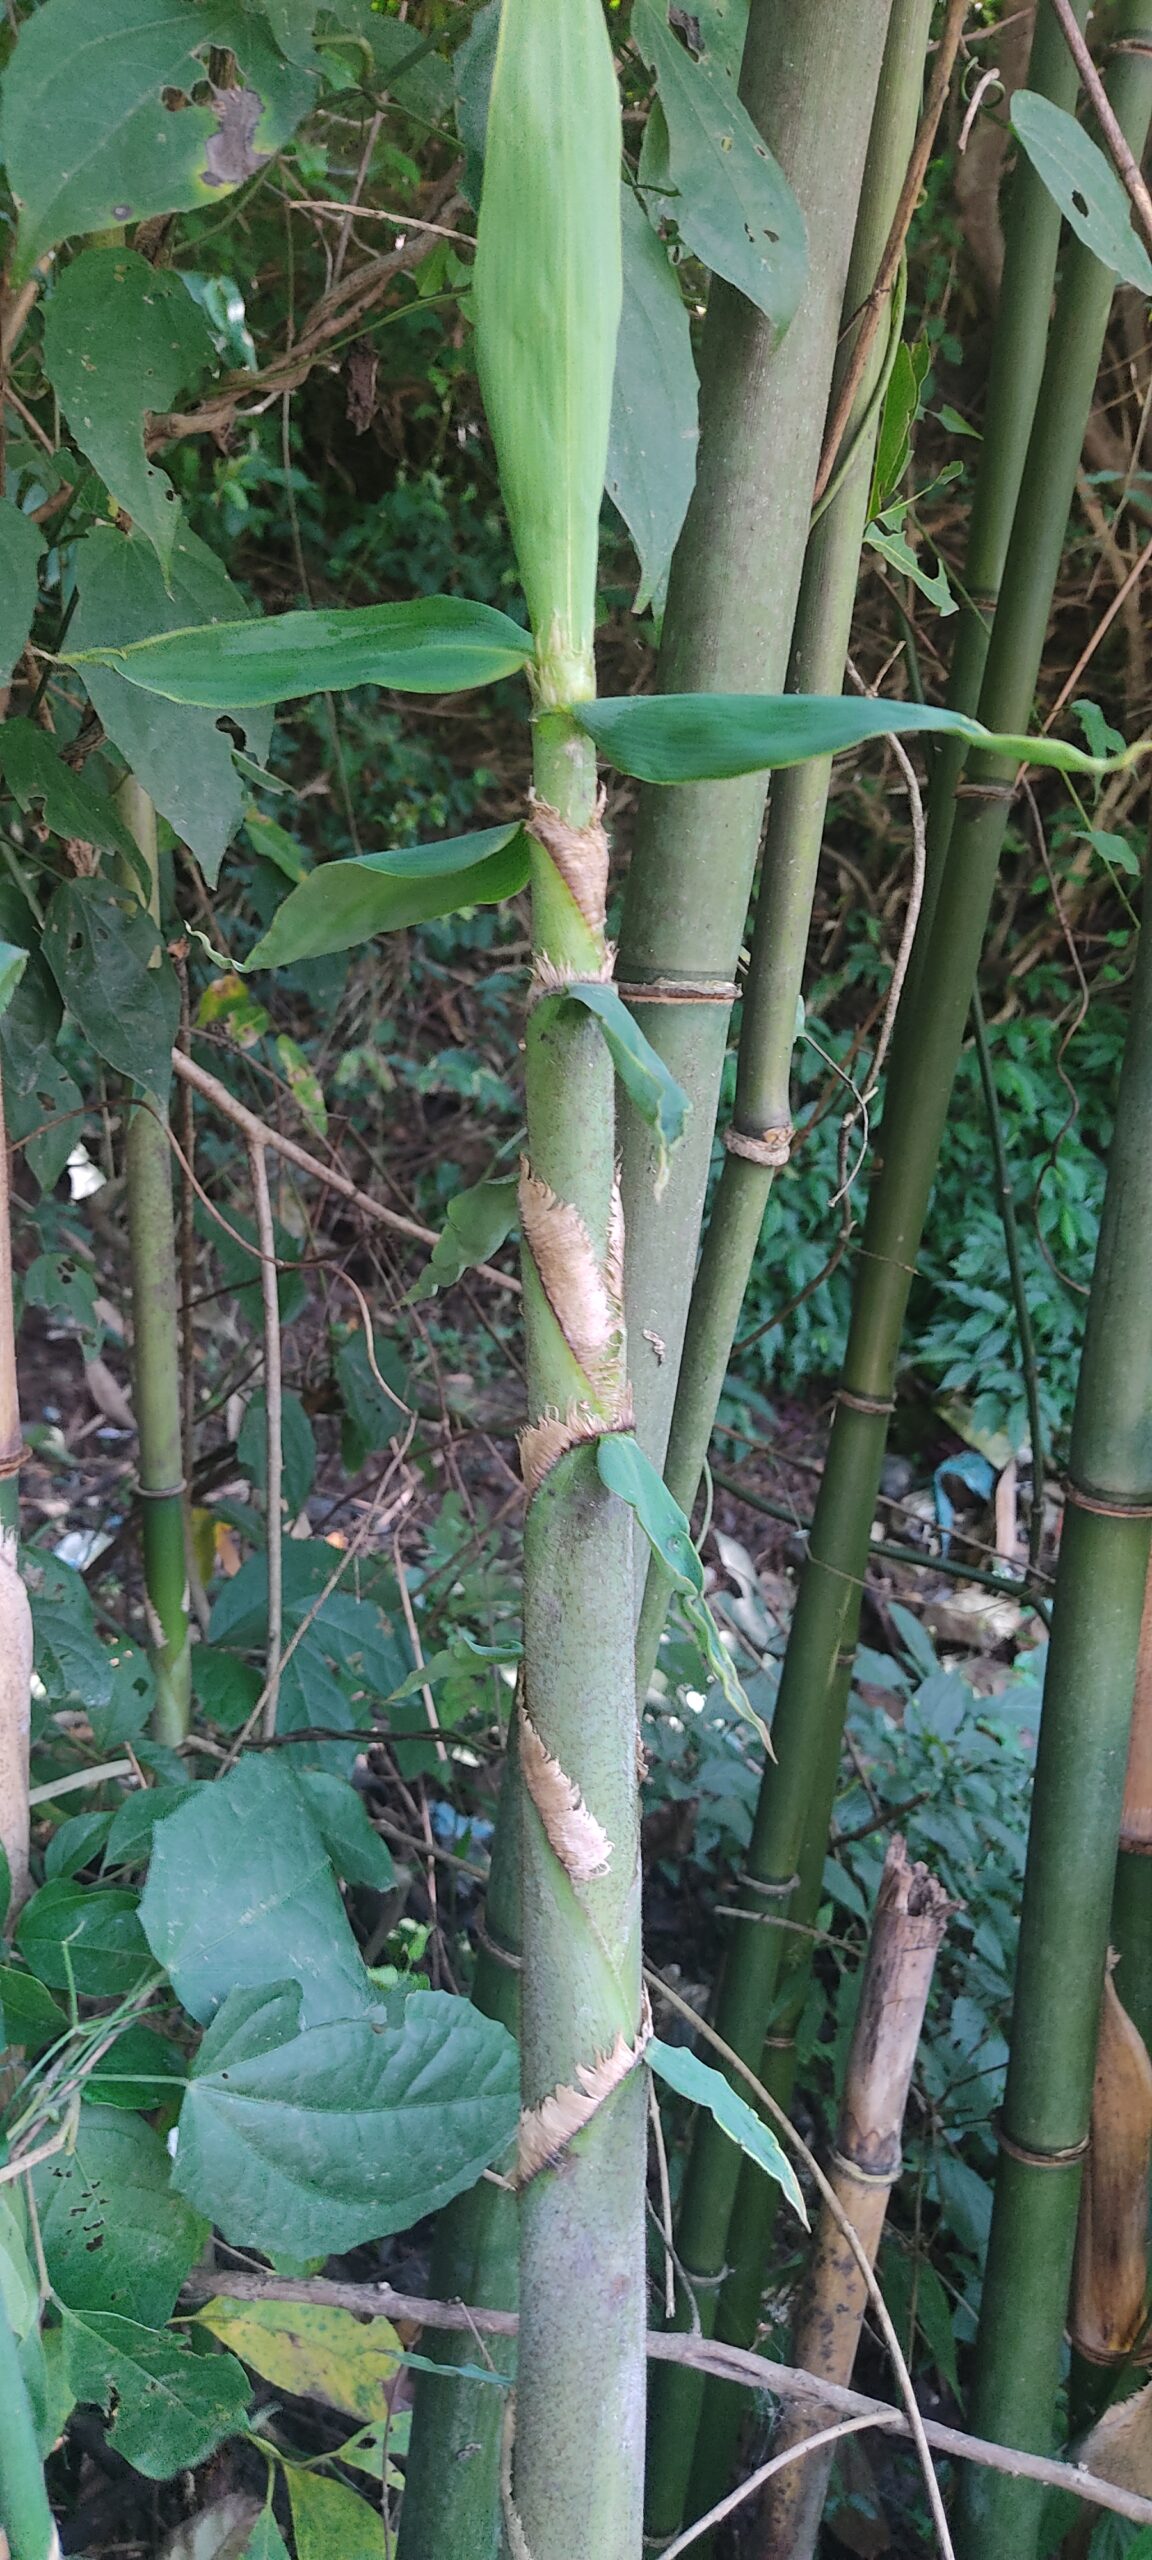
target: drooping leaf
625 1469
345 903
546 298
116 979
21 543
719 183
346 2131
329 2522
711 737
240 1891
438 644
311 2348
71 807
111 86
653 433
122 338
697 2080
648 1083
87 1936
116 2237
475 1227
1084 184
894 547
170 2407
897 419
182 756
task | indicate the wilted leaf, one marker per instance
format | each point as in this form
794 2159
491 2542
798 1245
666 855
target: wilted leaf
330 2522
122 338
311 2348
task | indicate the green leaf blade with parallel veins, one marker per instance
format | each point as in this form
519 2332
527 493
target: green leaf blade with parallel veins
122 338
345 903
438 644
714 737
696 2080
654 433
648 1083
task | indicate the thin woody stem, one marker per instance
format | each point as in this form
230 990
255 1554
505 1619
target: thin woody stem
266 1239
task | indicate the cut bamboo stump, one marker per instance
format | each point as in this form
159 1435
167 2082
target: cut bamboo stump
912 1912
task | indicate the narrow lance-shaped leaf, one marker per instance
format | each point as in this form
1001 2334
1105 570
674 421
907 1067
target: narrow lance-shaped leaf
438 644
697 2080
345 903
21 543
649 1084
653 436
625 1469
1084 184
547 304
712 737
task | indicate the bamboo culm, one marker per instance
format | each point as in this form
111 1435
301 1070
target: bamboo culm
814 1682
15 1611
156 1356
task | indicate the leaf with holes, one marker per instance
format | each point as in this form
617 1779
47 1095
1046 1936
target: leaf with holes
653 434
95 80
70 806
708 2088
346 903
1084 184
121 338
21 543
170 2407
115 976
184 757
116 2237
439 644
711 172
712 737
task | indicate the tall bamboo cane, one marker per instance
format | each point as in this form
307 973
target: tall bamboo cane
15 1613
731 601
814 1681
156 1357
1076 1807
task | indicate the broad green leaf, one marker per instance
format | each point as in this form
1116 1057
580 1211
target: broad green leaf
116 2237
1084 184
76 1843
130 1838
438 644
729 199
117 981
653 434
476 1225
546 299
625 1469
647 1082
13 962
31 2016
310 2348
121 338
21 543
345 903
897 419
346 2131
70 1659
140 2071
184 760
357 1852
87 1935
711 737
19 2291
94 81
297 1448
240 1891
170 2407
71 807
708 2088
266 2542
1114 849
329 2522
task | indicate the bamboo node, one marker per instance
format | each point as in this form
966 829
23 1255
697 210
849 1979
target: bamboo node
161 1492
553 978
773 1146
16 1458
678 990
1065 2159
1105 1506
580 855
883 1405
995 792
851 2169
769 1892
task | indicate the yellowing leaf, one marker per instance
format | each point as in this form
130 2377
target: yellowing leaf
331 2522
312 2349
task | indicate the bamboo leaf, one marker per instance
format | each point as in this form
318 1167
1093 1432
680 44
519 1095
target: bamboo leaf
94 81
547 303
438 644
346 903
1084 184
691 2078
21 543
121 338
625 1469
170 2407
476 1225
712 737
649 1084
653 433
731 203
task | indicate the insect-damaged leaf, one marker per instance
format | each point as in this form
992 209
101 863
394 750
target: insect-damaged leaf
345 903
71 807
1084 184
116 2237
116 979
122 338
111 87
706 167
438 644
711 737
171 2407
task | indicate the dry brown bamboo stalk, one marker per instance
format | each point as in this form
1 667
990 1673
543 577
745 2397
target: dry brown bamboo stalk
1110 2277
912 1912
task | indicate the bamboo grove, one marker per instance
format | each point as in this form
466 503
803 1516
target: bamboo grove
237 2099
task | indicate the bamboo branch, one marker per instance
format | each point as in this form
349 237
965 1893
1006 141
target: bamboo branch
1120 152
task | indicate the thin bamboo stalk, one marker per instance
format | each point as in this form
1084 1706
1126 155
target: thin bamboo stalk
156 1356
15 1613
731 602
1076 1809
911 1915
25 2515
814 1681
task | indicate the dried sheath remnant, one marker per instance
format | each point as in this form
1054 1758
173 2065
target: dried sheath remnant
581 858
545 2130
572 1280
1110 2280
579 1841
542 1442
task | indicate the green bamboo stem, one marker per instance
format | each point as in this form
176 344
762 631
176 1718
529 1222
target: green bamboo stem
1016 1273
1076 1808
25 2514
1131 1931
580 2400
928 1040
761 1122
156 1358
731 603
15 1613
